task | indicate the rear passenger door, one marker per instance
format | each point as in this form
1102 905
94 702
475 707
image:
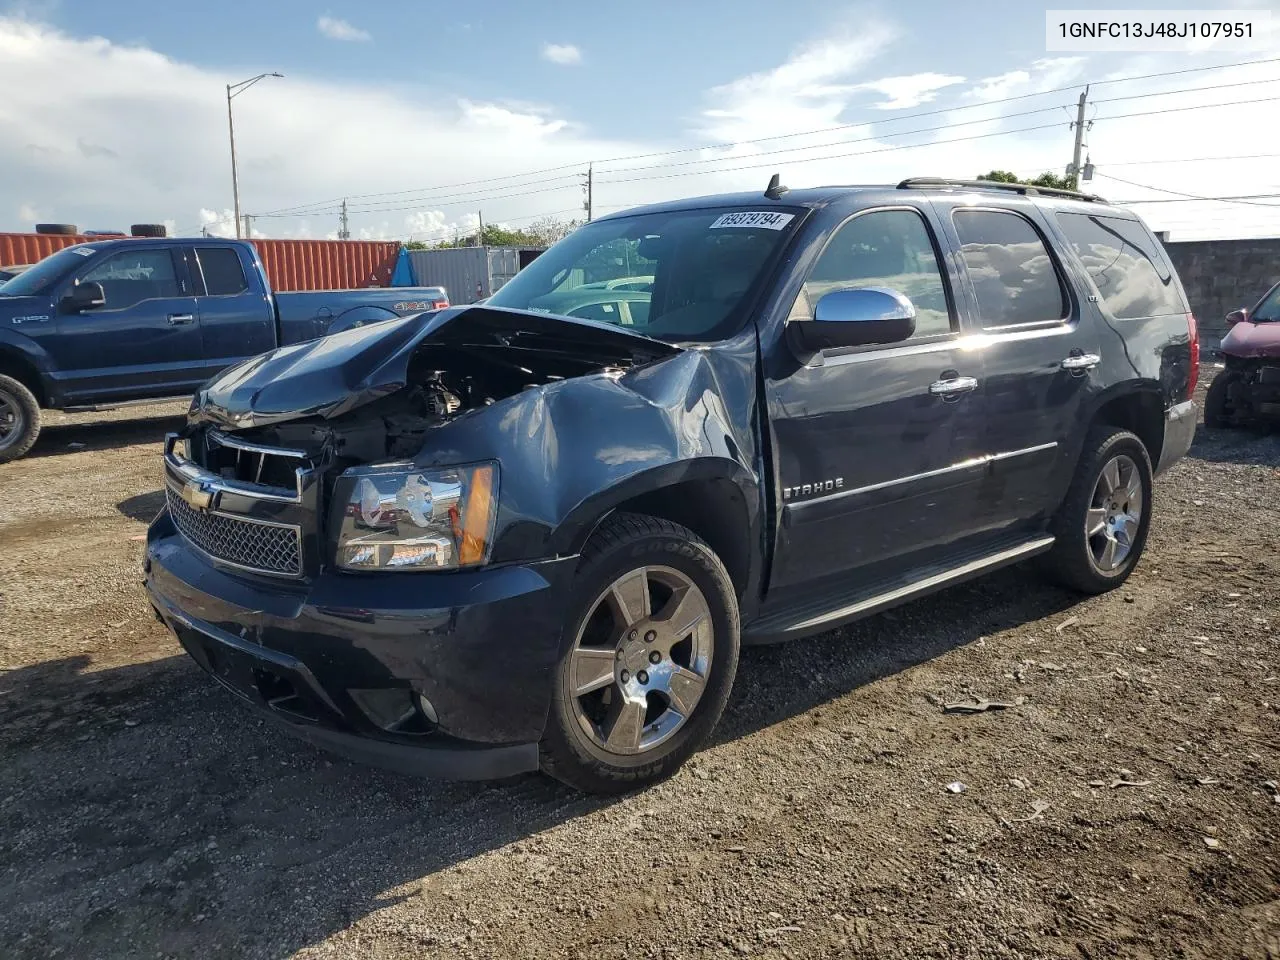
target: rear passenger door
237 319
1040 350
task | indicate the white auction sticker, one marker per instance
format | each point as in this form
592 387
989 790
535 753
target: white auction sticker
1152 31
769 220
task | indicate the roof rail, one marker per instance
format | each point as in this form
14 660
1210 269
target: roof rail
1026 189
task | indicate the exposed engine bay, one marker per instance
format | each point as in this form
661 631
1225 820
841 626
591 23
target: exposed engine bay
445 383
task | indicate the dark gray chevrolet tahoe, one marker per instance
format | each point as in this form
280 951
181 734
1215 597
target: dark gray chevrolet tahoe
488 539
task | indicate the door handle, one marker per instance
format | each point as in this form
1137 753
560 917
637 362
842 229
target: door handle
1079 362
952 387
178 319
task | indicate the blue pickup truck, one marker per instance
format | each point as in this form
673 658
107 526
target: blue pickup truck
124 321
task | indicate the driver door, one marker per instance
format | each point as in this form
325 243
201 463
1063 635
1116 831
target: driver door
145 341
876 445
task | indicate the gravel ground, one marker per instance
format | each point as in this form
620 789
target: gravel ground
1125 806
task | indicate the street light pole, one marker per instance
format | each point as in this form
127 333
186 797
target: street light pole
234 90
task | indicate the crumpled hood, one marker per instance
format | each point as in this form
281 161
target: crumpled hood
1248 339
336 374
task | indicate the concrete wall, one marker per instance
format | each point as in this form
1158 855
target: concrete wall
1221 275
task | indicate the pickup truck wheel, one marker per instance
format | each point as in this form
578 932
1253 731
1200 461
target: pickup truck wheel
653 631
1217 411
19 419
1101 527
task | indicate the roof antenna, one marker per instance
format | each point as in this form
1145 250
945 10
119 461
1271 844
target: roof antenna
775 189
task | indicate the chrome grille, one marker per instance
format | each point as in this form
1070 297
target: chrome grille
249 544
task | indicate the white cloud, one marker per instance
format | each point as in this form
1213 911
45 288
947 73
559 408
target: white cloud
807 91
173 163
1048 73
336 29
565 54
910 91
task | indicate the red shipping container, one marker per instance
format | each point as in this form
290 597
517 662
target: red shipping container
328 264
19 248
290 264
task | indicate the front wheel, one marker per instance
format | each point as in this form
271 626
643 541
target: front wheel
1217 412
19 419
652 652
1101 528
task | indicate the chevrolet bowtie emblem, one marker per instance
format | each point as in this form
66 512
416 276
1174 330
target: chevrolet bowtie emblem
197 495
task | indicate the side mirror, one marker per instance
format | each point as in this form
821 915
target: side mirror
853 318
84 296
1237 316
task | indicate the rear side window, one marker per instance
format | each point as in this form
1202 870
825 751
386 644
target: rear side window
1123 264
885 248
1012 272
223 274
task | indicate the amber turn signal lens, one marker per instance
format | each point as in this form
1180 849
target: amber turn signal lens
477 521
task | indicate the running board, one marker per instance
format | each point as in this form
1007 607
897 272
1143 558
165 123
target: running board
103 407
792 624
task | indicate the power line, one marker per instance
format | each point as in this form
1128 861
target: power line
1136 163
1169 93
447 186
841 156
1243 196
1180 193
306 211
841 143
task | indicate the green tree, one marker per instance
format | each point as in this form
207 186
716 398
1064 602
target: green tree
541 233
1046 179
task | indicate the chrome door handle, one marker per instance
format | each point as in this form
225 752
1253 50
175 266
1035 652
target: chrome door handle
952 389
177 319
1081 361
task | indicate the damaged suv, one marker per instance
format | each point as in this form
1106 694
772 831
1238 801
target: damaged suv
491 539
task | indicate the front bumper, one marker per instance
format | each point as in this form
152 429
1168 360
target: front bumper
338 657
1179 431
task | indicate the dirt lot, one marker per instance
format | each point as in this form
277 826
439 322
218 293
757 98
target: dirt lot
1126 806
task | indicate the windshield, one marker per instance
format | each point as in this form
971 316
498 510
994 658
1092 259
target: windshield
1268 311
675 276
47 272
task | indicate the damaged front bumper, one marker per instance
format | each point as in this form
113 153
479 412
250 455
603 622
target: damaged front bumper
446 675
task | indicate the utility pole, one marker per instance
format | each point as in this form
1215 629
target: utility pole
248 227
587 205
480 234
234 90
1073 171
344 233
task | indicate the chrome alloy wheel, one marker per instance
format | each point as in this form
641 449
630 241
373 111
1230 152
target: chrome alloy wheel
1115 513
12 422
641 660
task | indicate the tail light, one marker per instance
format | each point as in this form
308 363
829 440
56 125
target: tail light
1193 374
439 304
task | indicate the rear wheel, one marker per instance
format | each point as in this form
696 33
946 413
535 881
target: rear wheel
19 419
653 653
1101 528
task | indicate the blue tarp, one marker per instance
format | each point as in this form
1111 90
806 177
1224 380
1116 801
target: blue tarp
402 275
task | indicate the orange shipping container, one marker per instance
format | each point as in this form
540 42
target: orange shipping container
290 264
327 264
19 248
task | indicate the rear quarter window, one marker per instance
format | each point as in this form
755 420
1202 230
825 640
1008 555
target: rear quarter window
1121 260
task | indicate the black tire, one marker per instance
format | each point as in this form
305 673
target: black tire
148 230
627 542
1071 562
18 402
58 229
1215 401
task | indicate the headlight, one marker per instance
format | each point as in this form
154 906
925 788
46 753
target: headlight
397 519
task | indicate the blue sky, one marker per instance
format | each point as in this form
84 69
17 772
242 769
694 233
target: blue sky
122 117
